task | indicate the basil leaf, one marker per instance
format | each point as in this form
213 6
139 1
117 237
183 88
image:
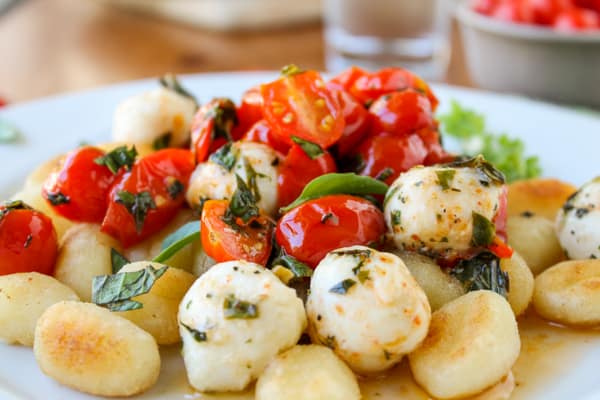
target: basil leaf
384 174
117 260
162 142
311 149
116 291
482 272
291 70
298 268
484 231
243 202
224 115
445 177
252 176
198 336
8 133
343 286
487 172
346 183
138 206
170 81
234 308
178 240
175 188
118 158
10 205
56 199
225 156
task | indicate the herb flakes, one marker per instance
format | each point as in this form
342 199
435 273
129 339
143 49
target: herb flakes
482 272
198 336
342 287
484 231
445 177
118 158
163 141
137 205
225 156
311 149
234 308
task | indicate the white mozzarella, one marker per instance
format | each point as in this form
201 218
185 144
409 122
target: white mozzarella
578 223
373 323
148 116
224 352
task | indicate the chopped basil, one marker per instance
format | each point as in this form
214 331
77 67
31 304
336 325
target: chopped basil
362 275
362 255
198 336
170 81
224 115
178 240
487 172
251 178
484 231
138 206
162 142
527 214
234 308
482 272
175 188
243 203
115 292
385 174
11 205
298 268
445 177
343 286
8 133
581 212
396 217
56 199
225 156
117 260
311 149
291 70
390 193
118 158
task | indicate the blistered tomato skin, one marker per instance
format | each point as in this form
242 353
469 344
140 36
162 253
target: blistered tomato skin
261 132
401 113
27 241
311 230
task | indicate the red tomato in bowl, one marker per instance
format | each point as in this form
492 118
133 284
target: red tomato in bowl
545 11
485 7
577 19
401 113
356 121
516 11
313 229
261 132
213 127
249 112
591 4
27 240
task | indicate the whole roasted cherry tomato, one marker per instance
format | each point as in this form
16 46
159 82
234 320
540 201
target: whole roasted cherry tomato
144 199
226 238
311 230
300 104
261 132
297 169
401 113
27 240
212 127
591 4
356 121
79 189
385 156
546 11
249 112
517 11
435 152
577 19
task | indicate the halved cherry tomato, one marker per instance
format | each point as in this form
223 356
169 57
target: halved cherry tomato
244 241
297 169
79 189
261 132
356 118
212 127
300 104
577 19
314 228
249 112
144 199
27 240
401 113
385 156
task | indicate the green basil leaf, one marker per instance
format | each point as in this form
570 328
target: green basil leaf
224 114
343 286
234 308
170 81
198 336
56 199
445 177
175 188
484 231
177 240
384 174
117 260
162 142
118 158
8 133
225 156
487 172
291 70
311 149
338 183
298 268
243 202
138 205
11 205
482 272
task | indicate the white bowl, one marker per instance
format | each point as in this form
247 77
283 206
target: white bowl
531 60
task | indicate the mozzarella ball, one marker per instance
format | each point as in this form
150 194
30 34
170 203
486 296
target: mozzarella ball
23 298
234 319
430 209
472 344
309 373
146 117
578 223
520 281
367 307
569 293
541 196
213 181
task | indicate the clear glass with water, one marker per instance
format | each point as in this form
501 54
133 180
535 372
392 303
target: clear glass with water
372 34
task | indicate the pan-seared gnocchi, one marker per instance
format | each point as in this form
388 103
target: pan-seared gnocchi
472 344
367 307
569 293
23 298
310 372
541 196
520 277
95 351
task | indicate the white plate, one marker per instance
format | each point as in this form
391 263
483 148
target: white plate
566 141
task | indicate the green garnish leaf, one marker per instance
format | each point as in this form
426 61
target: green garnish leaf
224 115
363 275
225 156
242 204
343 286
338 183
11 205
118 158
198 336
298 268
396 217
138 205
445 177
311 149
506 153
291 70
117 260
234 308
8 133
170 81
488 174
56 199
251 176
115 292
162 142
385 174
175 188
482 272
177 240
484 231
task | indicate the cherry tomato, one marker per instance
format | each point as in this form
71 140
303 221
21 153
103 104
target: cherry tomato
27 240
385 156
517 11
297 169
545 11
500 248
435 152
261 132
222 242
356 118
591 4
577 19
401 113
485 7
299 104
248 113
311 230
79 189
212 127
144 199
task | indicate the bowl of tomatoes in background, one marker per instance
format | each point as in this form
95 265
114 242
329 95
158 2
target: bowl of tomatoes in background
548 49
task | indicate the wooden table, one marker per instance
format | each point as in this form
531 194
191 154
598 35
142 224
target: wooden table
53 46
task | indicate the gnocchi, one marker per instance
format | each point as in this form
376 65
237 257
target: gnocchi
541 196
520 277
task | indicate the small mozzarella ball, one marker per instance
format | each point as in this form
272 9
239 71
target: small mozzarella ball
430 209
212 181
534 238
310 373
472 344
367 307
578 223
541 196
146 117
569 293
233 320
520 281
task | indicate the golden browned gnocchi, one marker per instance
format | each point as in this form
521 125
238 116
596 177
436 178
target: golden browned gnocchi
520 277
472 344
541 196
95 351
23 298
569 293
